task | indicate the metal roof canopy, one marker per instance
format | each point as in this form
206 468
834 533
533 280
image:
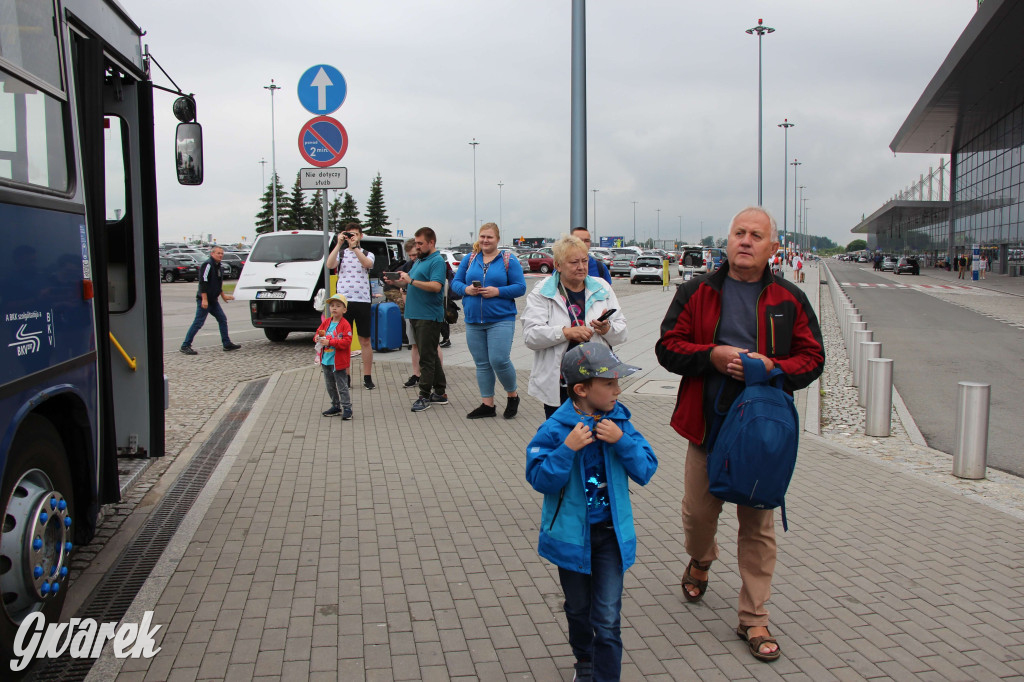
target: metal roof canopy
904 215
981 80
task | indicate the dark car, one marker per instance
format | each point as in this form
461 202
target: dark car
234 262
908 266
537 261
174 269
622 263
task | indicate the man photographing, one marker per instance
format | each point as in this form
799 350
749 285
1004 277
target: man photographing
354 263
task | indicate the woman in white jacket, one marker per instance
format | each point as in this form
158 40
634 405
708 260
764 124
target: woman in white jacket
563 311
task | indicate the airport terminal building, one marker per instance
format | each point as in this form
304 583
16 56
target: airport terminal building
972 111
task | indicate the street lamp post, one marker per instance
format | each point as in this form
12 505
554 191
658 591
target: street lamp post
500 185
273 147
760 30
595 191
263 163
785 125
680 230
474 143
799 220
657 235
794 165
634 222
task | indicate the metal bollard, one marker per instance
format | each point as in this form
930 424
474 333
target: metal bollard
851 348
859 336
848 309
878 419
869 350
851 317
971 449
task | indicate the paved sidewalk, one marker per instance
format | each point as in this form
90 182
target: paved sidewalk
402 546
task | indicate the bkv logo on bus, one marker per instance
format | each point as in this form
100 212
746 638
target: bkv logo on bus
25 341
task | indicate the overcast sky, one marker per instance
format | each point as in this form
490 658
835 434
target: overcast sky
671 96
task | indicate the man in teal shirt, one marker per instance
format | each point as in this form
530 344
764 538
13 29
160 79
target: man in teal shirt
424 308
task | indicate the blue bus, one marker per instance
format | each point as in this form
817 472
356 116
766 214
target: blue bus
81 378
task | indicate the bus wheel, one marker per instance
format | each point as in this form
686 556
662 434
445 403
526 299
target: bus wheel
276 335
35 542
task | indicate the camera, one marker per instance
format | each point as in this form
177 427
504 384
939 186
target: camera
348 235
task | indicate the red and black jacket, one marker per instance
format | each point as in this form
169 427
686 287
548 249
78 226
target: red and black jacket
787 332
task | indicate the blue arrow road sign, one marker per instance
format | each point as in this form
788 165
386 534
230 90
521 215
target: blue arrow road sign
322 89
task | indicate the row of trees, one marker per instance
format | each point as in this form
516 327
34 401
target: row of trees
296 212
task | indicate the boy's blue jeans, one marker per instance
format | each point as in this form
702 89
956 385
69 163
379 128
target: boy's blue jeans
490 344
337 386
593 604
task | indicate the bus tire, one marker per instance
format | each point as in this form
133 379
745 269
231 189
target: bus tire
36 467
276 335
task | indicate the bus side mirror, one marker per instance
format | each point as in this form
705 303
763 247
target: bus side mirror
188 146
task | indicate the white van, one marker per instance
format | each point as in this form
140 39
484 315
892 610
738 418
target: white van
284 270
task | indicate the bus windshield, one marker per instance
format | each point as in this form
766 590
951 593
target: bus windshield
288 247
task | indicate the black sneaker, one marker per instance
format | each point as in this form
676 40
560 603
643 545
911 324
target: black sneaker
368 383
232 346
347 414
447 343
483 411
412 382
511 408
333 412
421 404
438 398
187 350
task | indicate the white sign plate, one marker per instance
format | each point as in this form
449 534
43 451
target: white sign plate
323 178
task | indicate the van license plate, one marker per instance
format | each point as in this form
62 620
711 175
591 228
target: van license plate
270 294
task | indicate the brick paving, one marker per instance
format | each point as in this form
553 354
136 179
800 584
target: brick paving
407 551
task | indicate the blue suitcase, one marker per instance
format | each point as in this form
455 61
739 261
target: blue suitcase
385 327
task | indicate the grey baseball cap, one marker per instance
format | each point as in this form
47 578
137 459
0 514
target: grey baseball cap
593 360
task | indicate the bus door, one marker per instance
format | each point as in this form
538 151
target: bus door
115 120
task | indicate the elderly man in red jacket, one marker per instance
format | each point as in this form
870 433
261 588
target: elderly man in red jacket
741 308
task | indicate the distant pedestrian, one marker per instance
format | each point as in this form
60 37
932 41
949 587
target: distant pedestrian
333 342
354 263
961 266
711 322
489 281
878 261
798 267
424 308
563 311
210 288
581 459
982 266
595 268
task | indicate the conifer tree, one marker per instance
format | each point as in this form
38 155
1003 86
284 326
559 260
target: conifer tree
334 212
265 218
349 211
376 215
294 217
315 212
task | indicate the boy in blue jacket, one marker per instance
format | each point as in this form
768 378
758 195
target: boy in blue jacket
581 459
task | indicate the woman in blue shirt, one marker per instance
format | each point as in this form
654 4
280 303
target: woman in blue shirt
489 281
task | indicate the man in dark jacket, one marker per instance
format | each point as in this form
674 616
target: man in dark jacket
595 268
739 309
210 287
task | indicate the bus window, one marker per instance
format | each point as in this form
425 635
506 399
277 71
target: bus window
120 243
33 45
32 150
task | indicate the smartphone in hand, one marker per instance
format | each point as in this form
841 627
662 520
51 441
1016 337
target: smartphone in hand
392 276
477 284
606 314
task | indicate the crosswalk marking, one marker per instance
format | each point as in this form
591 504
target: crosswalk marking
925 288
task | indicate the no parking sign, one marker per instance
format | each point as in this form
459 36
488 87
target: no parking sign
323 141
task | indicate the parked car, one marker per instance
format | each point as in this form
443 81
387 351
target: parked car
234 262
537 261
907 265
691 258
889 264
645 268
602 254
862 259
712 259
453 258
621 265
173 270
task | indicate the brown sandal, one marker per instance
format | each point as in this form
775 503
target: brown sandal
754 644
701 585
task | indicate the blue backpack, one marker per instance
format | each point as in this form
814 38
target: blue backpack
752 460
